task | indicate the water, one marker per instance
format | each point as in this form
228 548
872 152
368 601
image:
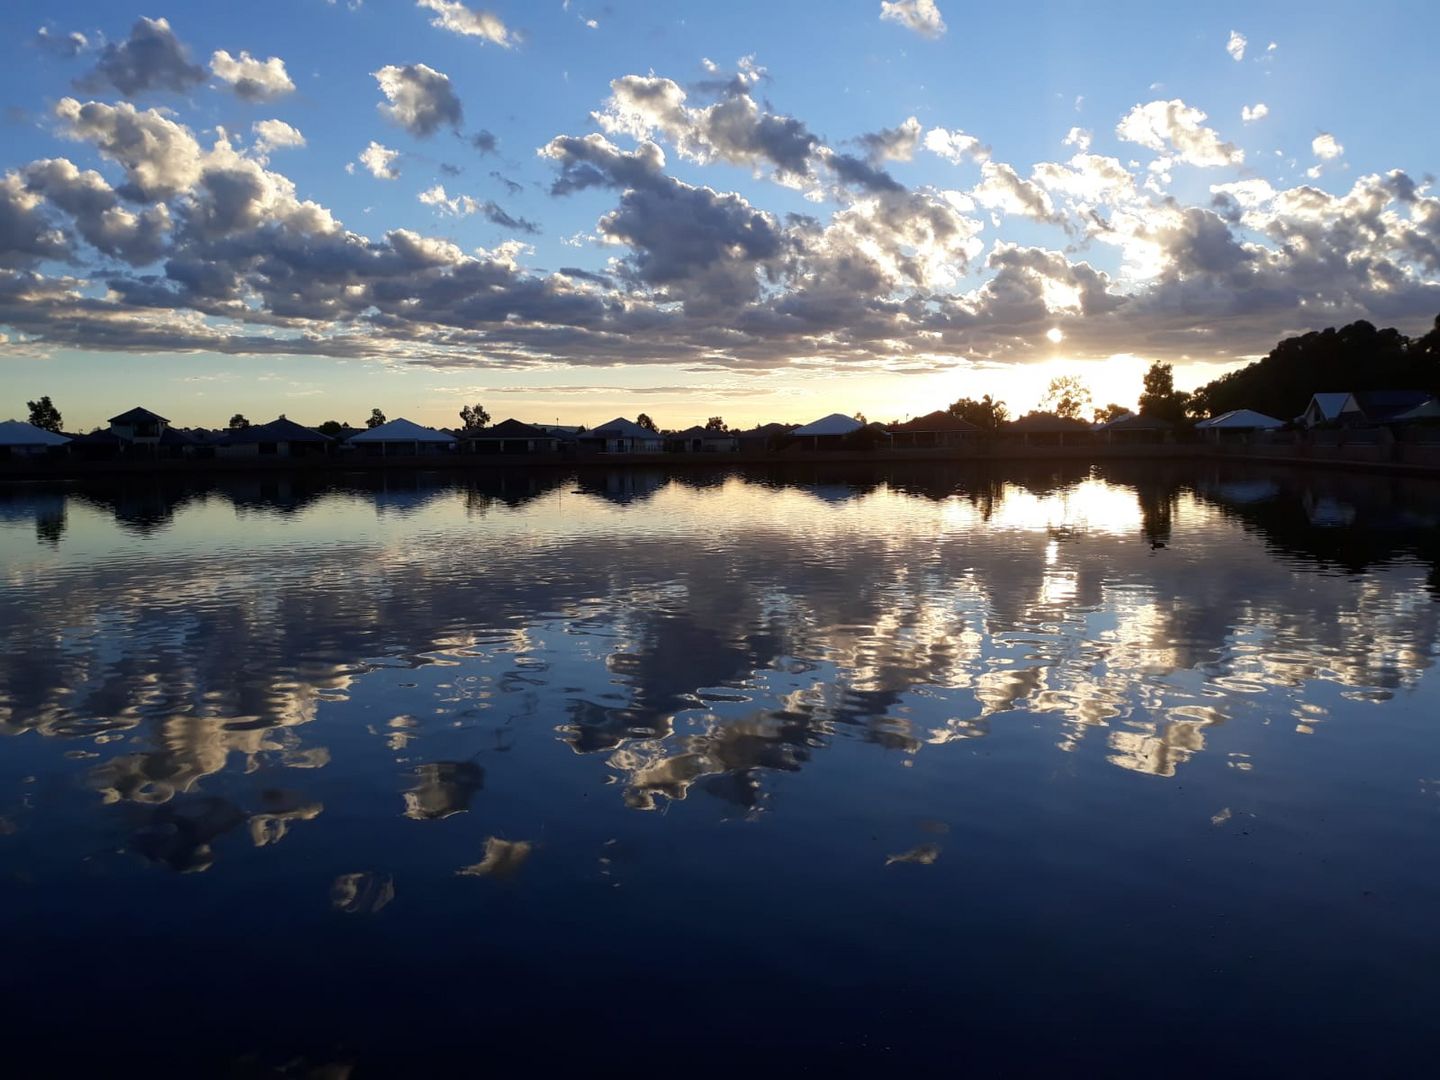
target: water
1049 768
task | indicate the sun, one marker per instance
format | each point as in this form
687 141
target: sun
1055 335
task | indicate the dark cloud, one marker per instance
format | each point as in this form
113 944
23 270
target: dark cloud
852 170
419 99
150 59
495 213
510 185
484 141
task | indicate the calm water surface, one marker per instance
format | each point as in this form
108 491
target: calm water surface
1128 770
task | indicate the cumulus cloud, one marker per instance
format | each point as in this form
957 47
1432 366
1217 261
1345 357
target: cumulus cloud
1251 113
1002 188
921 16
1326 147
1079 138
100 219
955 146
151 58
26 235
251 79
1173 126
381 161
892 144
59 43
276 135
420 99
465 205
160 156
1235 46
458 19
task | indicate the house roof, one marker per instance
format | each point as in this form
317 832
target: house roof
1241 420
137 415
1387 404
1330 403
765 431
834 424
508 429
19 433
699 432
620 428
1043 422
1426 410
1135 422
277 430
404 431
939 420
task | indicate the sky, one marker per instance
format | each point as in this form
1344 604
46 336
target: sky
569 211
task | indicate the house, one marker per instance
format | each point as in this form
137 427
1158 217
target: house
21 440
838 431
1243 420
509 437
700 440
1426 410
765 437
621 436
936 429
403 437
1135 428
139 426
280 438
1361 407
1048 429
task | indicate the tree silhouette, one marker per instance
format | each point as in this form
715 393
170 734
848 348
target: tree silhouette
716 423
644 421
44 414
376 419
1160 397
1067 396
333 428
1110 412
985 413
238 422
474 416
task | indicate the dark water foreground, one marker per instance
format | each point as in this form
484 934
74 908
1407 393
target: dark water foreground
1125 771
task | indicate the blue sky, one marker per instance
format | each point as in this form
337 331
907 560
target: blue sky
1063 189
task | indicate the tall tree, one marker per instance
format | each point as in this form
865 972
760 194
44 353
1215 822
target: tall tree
44 414
376 419
716 423
333 428
1110 412
985 413
643 420
1160 398
238 422
474 416
1066 396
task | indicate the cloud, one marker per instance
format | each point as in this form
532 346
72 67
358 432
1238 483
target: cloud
251 79
96 210
151 58
921 16
1001 188
1326 147
465 205
160 157
892 144
1249 114
420 99
1235 46
1173 125
27 236
1079 138
955 146
469 22
484 141
381 161
65 45
276 135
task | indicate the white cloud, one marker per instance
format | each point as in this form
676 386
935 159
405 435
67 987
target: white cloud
460 205
1236 46
1251 113
955 146
921 16
1079 138
1326 146
251 79
458 19
275 135
1163 125
381 161
1002 188
421 99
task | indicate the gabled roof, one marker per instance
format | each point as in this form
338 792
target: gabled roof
137 415
507 429
1242 420
765 431
1387 404
620 428
834 424
1330 404
939 420
403 431
1039 422
1135 422
19 433
278 430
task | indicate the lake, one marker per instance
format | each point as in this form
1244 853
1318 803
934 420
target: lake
934 768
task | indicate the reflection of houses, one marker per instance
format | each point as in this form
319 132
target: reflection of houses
443 788
21 440
1048 429
281 438
621 436
1133 428
401 437
699 440
510 437
935 429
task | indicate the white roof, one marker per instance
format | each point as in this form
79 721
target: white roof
19 433
1331 404
621 428
401 430
1242 419
834 424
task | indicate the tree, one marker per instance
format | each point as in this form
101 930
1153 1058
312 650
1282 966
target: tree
376 419
985 413
1160 397
333 428
238 422
474 416
1110 412
44 414
1066 396
716 423
643 420
861 417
